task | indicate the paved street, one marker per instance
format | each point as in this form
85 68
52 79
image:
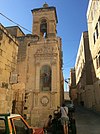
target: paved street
87 122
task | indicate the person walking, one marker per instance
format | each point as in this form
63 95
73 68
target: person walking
47 125
57 127
64 118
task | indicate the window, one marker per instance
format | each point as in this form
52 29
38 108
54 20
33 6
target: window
99 24
94 38
99 21
43 28
2 126
97 34
98 61
45 78
20 126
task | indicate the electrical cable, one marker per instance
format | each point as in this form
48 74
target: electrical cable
15 22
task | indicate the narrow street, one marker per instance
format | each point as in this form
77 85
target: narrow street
87 122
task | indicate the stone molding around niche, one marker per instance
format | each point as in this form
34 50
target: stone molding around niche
44 100
46 53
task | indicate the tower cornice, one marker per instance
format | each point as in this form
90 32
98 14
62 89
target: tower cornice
45 9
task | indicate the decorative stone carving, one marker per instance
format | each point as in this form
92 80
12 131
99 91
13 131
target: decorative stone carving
44 100
46 53
46 50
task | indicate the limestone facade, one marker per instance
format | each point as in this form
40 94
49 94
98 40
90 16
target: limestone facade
93 21
31 68
72 85
18 87
8 62
83 72
87 66
40 67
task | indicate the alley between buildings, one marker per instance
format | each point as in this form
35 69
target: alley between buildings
87 121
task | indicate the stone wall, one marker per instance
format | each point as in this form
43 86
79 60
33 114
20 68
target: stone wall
5 100
8 62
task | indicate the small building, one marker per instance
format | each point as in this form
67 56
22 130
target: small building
83 72
18 87
8 63
72 86
93 22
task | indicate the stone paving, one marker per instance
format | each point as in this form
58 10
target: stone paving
87 122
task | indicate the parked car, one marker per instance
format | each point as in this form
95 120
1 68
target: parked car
70 105
15 124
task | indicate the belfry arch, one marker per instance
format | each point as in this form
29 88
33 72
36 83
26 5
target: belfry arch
43 28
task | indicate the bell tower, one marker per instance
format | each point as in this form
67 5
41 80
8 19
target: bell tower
44 22
44 78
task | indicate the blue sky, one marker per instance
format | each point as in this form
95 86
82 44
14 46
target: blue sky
71 22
